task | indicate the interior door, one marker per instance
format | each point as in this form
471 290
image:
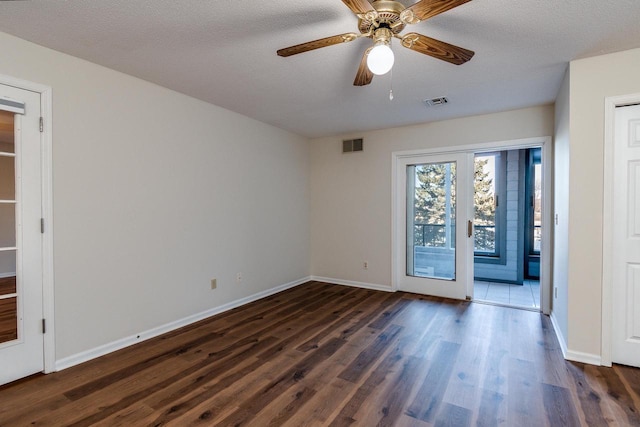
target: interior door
21 335
626 237
435 255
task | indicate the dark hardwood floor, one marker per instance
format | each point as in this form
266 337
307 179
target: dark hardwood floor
323 354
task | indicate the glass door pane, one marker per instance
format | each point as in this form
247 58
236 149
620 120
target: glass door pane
8 288
431 220
484 200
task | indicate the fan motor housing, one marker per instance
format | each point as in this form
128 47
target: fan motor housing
388 16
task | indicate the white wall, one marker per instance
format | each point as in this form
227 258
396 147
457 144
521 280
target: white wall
155 193
351 193
561 208
592 80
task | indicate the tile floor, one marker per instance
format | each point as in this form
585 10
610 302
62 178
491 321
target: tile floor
526 295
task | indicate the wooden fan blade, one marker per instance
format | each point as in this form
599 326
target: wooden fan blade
359 6
317 44
364 75
426 9
436 48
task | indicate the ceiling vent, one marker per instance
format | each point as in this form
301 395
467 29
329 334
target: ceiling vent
351 145
436 101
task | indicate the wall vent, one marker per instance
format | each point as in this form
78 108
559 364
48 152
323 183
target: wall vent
436 101
351 145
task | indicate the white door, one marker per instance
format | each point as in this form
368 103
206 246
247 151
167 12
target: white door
434 244
21 335
626 237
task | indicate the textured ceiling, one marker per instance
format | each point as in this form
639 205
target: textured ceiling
223 52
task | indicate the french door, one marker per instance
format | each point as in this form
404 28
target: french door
21 293
434 234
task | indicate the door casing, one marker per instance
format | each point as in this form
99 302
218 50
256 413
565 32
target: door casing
397 238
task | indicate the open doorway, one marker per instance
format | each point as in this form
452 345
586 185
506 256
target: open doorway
508 227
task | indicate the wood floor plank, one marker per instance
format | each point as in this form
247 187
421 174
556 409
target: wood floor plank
387 316
291 376
528 409
428 399
453 416
589 400
384 372
399 391
464 389
207 368
621 399
102 382
491 410
631 379
365 310
322 354
369 355
301 397
558 406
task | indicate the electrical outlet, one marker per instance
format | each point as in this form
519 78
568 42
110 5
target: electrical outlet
214 283
238 277
365 265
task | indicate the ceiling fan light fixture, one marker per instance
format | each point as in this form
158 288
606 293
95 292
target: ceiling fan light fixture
383 20
380 59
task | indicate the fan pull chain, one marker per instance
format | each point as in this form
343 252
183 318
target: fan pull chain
391 86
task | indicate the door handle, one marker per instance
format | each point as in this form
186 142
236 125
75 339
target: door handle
469 229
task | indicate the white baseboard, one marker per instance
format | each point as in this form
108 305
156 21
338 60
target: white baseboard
558 331
574 356
352 283
10 274
588 358
102 350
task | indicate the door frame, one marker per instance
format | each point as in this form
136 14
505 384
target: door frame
544 142
610 105
46 165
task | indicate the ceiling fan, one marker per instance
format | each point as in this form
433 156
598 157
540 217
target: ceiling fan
383 20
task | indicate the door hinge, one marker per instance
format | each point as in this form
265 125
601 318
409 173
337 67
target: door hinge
44 326
41 124
42 225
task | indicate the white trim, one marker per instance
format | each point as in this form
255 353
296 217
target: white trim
48 308
546 259
46 137
3 275
588 358
104 349
513 144
545 143
610 104
575 356
354 284
559 336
